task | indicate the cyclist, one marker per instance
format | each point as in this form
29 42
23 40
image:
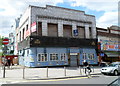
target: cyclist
87 67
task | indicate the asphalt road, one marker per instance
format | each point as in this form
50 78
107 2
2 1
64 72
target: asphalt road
96 79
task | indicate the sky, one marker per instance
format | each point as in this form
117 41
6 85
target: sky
105 11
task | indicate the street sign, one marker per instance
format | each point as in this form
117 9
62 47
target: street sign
5 41
101 54
75 32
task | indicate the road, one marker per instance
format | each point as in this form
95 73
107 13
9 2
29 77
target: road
96 79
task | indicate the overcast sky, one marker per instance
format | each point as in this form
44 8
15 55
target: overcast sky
106 11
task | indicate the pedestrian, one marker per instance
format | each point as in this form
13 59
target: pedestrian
9 62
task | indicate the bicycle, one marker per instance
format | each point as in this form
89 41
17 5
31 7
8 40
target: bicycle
88 71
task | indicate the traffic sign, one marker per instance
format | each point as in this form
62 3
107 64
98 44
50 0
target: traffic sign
5 41
101 54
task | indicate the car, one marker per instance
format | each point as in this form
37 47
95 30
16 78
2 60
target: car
113 68
103 64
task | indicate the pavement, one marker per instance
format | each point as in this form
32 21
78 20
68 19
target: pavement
18 73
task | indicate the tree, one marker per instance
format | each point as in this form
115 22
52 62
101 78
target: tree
1 45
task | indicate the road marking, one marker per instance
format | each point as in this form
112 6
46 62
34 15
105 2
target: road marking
45 80
23 81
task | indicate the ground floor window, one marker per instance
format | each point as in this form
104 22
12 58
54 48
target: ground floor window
63 57
53 57
91 56
42 57
84 56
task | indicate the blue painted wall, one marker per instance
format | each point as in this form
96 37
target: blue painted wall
30 56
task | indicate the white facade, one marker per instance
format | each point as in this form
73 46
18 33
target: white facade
55 15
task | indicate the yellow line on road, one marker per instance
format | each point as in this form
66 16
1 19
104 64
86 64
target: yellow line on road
23 81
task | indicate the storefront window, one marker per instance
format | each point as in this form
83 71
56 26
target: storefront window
42 57
63 57
53 57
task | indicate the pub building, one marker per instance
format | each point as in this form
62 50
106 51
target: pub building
56 36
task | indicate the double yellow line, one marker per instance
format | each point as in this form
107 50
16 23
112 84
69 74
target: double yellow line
23 81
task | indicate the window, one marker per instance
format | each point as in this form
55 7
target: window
23 33
84 56
27 52
63 57
90 32
91 56
20 37
53 57
26 27
42 57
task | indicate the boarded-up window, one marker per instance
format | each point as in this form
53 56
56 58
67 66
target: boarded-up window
81 32
67 30
52 30
20 36
90 32
23 33
39 28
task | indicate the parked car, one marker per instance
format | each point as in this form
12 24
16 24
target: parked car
103 64
113 68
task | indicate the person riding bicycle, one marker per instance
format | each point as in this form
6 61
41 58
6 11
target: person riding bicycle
86 65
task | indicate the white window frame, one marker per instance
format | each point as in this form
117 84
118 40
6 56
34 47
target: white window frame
64 55
55 54
84 56
89 56
41 56
92 56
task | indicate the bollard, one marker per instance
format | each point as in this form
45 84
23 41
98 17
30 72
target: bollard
24 72
93 69
4 71
83 69
11 66
80 70
47 72
65 70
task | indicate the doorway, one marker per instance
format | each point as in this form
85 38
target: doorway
73 60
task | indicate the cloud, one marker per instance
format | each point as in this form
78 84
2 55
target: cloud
10 10
108 19
97 5
108 7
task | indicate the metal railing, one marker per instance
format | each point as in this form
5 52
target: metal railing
48 72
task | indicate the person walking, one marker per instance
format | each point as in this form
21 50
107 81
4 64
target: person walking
9 62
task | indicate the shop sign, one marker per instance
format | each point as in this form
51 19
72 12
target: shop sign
33 27
73 53
37 41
